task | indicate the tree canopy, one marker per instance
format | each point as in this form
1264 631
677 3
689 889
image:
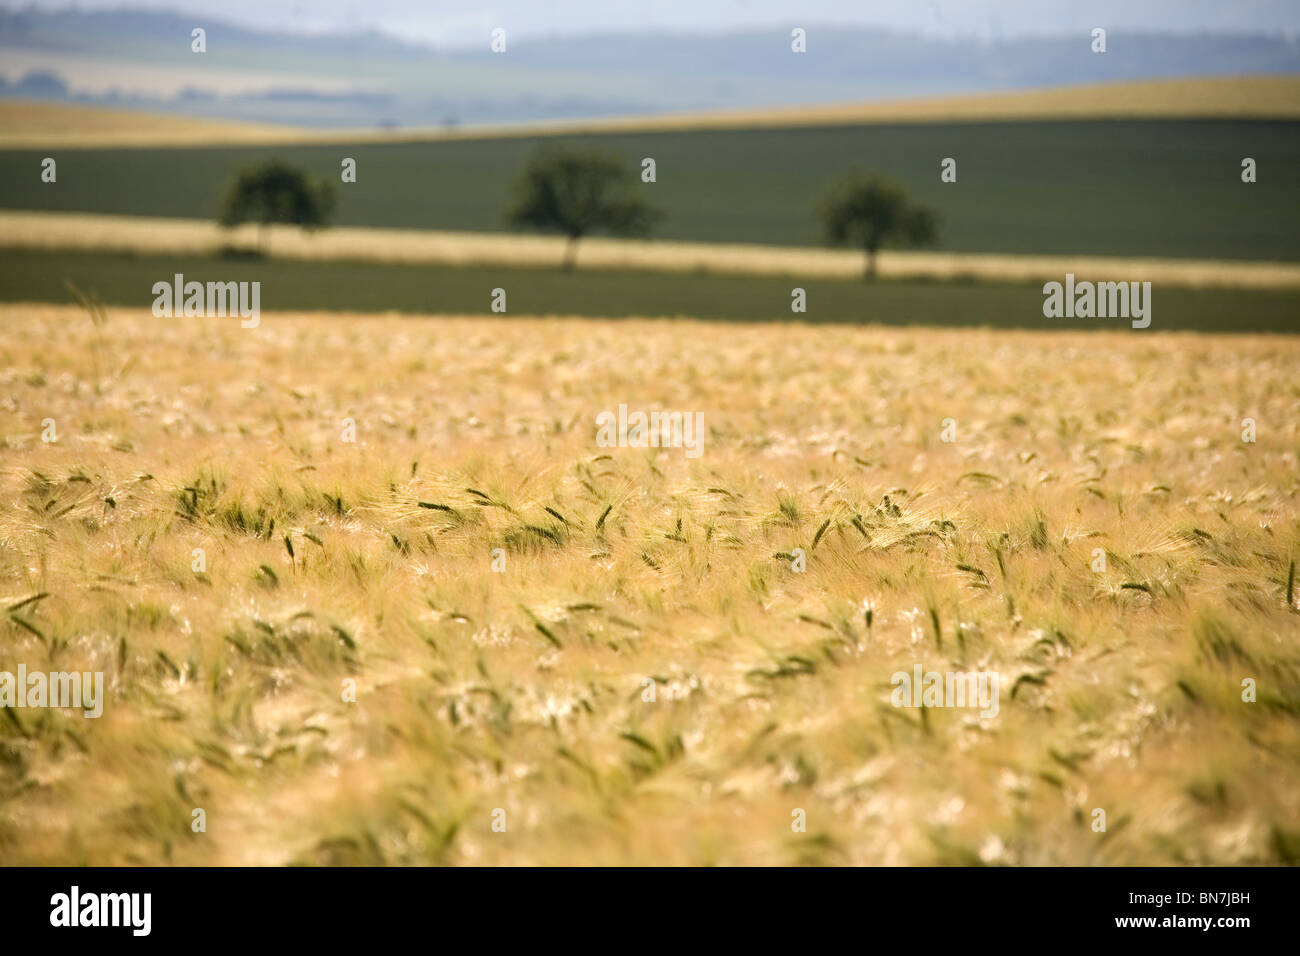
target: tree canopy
579 192
867 211
275 192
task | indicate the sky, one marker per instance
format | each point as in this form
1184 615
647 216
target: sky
461 22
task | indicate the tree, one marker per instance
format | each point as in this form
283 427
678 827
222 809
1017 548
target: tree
576 193
867 211
276 192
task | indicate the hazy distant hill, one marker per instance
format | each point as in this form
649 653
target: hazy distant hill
144 59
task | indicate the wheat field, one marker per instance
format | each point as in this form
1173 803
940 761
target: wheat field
647 678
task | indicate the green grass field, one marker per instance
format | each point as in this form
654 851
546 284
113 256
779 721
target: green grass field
31 276
1125 188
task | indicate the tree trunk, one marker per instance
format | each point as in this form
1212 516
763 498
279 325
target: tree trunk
570 254
262 239
870 273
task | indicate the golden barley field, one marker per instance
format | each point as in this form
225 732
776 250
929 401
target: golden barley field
647 679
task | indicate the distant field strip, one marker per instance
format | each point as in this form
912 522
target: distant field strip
28 124
31 123
73 232
127 279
